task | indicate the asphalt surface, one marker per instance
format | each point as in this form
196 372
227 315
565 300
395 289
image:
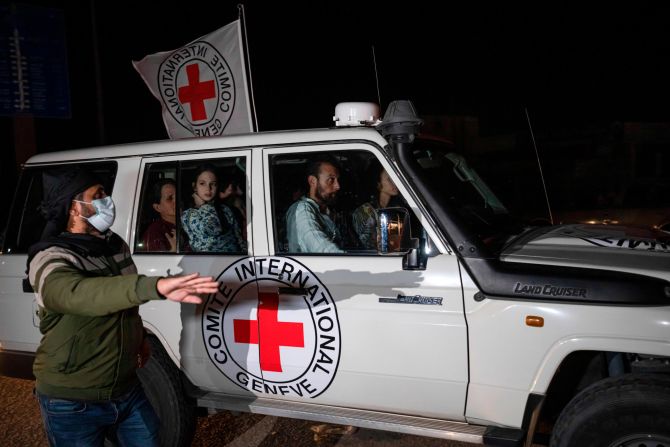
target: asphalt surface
21 425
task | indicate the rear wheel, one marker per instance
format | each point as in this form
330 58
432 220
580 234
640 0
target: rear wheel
627 411
162 385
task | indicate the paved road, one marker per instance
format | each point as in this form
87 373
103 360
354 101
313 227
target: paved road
20 425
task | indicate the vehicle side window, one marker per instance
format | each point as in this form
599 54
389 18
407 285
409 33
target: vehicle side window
26 222
327 202
157 226
193 206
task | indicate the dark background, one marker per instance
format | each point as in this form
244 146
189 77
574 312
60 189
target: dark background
594 80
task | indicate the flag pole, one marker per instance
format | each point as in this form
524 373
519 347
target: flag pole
242 17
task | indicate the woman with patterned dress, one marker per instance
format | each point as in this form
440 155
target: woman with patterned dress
210 225
365 217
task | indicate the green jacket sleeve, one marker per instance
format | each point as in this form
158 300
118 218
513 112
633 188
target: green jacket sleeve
67 290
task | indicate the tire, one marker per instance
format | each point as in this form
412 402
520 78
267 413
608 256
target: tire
626 411
162 385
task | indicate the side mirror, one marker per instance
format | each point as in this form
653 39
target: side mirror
393 230
394 235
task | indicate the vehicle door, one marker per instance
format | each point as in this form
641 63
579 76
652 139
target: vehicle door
196 336
354 329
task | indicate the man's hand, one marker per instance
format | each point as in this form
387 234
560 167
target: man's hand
185 289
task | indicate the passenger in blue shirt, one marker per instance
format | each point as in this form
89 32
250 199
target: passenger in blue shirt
310 228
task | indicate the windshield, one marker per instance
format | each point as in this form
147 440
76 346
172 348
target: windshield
459 186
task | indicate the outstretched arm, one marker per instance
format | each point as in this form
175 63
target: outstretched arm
185 289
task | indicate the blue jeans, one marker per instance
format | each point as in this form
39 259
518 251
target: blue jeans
129 419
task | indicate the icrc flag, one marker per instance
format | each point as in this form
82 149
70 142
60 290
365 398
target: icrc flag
202 86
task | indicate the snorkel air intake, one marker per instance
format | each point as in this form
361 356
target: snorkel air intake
401 123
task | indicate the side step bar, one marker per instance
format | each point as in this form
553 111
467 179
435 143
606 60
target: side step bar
420 426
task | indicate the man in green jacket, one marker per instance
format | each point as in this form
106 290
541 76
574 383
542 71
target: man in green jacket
88 292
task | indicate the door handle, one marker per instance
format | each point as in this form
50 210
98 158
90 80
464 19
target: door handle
27 288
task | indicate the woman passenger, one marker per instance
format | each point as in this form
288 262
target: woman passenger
385 194
211 225
161 233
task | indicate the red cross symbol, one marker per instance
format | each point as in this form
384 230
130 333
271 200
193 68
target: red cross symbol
272 332
195 92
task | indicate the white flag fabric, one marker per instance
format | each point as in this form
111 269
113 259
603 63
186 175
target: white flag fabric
201 86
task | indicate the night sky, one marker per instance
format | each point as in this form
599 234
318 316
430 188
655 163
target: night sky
572 66
564 63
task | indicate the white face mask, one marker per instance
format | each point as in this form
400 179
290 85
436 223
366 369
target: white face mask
104 213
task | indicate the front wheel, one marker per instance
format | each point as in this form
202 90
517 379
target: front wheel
627 411
162 385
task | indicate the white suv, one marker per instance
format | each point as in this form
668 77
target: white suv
459 323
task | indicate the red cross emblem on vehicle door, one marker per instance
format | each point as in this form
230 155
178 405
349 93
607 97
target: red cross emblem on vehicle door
196 92
272 332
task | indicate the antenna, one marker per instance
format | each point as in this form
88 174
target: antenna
374 61
537 154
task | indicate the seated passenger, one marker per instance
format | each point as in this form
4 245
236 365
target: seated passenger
233 196
384 195
309 226
209 224
161 233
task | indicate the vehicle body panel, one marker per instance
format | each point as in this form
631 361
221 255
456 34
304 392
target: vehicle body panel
509 359
625 249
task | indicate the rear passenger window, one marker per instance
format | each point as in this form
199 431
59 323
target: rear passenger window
193 206
26 222
158 211
327 203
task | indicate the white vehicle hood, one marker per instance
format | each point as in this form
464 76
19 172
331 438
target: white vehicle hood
604 247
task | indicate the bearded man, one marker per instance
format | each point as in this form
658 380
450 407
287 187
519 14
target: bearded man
310 228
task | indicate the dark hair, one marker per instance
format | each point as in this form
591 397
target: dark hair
232 177
157 189
205 167
314 165
373 176
208 167
370 181
79 196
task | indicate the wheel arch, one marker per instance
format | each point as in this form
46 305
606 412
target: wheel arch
560 354
577 371
154 332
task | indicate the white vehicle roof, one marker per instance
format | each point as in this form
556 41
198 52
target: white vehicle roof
259 139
